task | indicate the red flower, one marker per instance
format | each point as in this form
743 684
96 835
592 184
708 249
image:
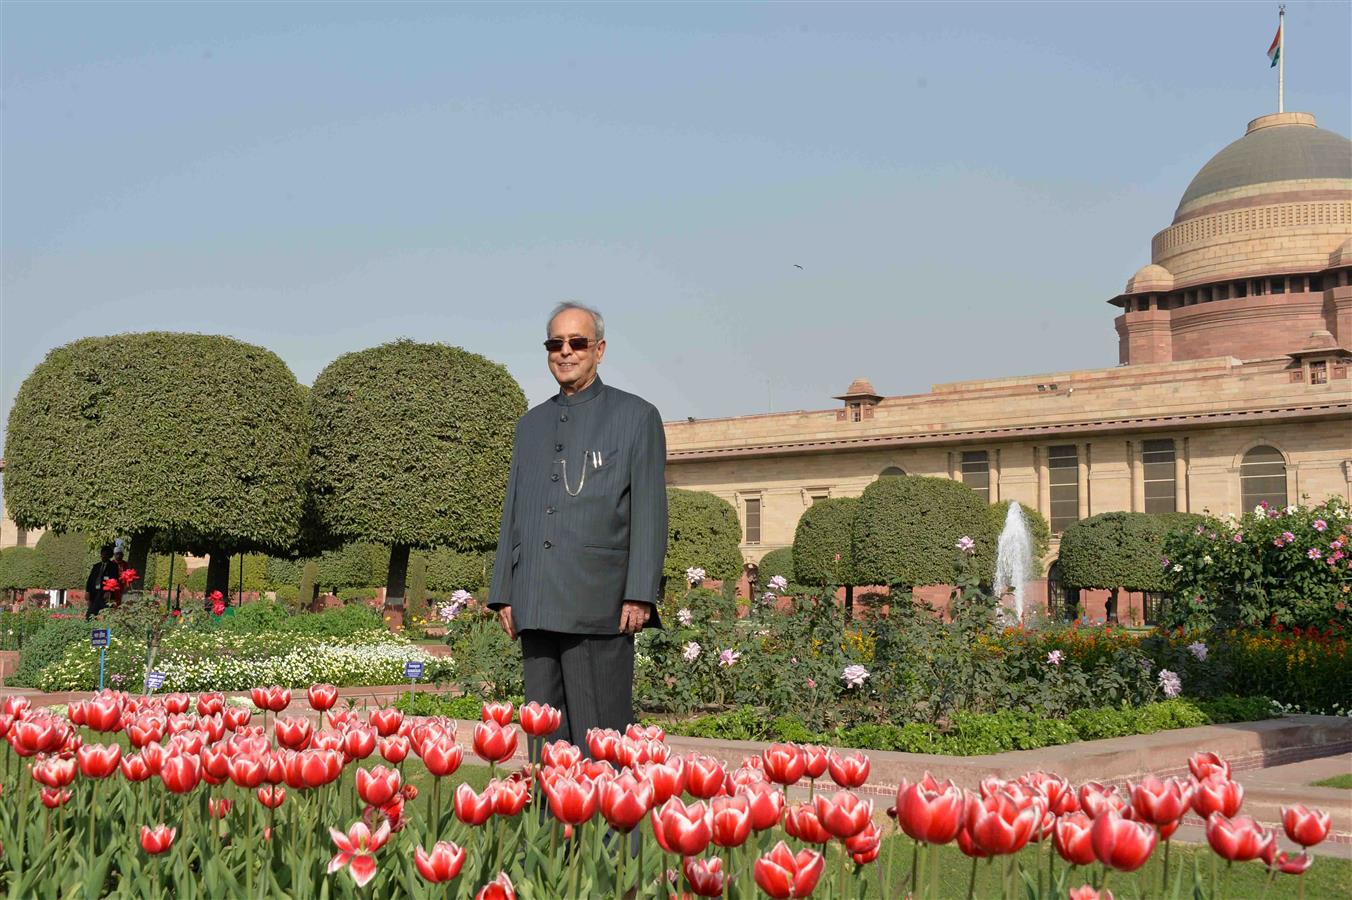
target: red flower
98 760
387 720
54 771
355 849
1070 836
271 796
158 839
1239 839
218 608
442 864
181 773
930 812
603 743
681 829
766 804
394 748
497 712
378 785
1087 892
571 801
843 813
442 756
705 875
294 734
322 696
219 807
784 763
112 585
494 743
801 822
848 771
499 888
1217 794
103 714
359 742
37 735
865 846
540 719
471 808
704 776
510 796
730 820
210 704
1205 763
781 874
560 755
1161 802
236 717
1286 864
815 760
52 798
1121 843
1304 826
134 768
668 779
625 801
1002 823
128 577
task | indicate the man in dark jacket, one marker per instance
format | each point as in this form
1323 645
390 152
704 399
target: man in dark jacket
583 535
103 569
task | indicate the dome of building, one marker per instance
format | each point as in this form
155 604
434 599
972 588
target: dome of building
1343 255
1281 147
1150 278
860 387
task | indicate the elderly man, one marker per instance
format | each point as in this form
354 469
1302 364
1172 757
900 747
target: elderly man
583 535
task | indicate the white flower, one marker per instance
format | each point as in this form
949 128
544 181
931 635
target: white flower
694 575
691 651
966 544
1198 649
1170 683
1178 567
728 657
1206 560
1260 510
854 675
778 583
1055 657
685 617
462 597
769 597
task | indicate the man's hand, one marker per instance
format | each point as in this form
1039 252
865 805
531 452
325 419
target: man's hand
505 619
633 616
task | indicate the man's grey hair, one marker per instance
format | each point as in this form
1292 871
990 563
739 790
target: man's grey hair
597 319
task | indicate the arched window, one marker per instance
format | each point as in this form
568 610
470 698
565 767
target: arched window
1262 476
892 472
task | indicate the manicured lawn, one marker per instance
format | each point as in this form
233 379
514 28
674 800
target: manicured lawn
1337 781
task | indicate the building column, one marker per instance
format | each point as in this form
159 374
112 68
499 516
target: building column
994 475
1044 488
1137 466
1181 476
1082 458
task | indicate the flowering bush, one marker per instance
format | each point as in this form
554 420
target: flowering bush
1288 566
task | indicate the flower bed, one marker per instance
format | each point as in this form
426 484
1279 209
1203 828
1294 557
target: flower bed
208 801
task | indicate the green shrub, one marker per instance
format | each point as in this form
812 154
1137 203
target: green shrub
18 628
16 568
288 594
776 562
197 579
283 572
48 646
358 594
352 565
309 575
1107 722
255 572
825 531
63 560
907 528
486 663
1116 550
452 570
157 571
261 616
1224 710
1038 530
702 532
338 622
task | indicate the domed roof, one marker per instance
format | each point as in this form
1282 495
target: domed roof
1279 147
860 387
1150 278
1343 255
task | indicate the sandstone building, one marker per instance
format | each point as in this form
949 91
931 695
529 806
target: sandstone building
1232 385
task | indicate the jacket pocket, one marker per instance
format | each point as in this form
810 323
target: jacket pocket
606 549
516 554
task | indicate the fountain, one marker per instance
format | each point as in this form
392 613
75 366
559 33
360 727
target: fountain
1013 558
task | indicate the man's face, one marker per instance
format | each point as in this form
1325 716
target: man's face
575 369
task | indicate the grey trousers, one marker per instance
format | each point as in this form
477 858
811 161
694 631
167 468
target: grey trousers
587 677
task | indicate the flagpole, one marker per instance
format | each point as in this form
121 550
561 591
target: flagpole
1281 58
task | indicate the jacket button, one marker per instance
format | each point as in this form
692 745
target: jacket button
554 477
563 417
549 510
548 545
558 447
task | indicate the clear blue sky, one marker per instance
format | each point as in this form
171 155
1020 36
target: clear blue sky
963 185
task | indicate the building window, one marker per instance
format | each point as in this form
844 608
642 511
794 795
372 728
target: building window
1063 465
976 472
1319 372
892 472
1161 491
856 412
1262 476
816 495
1278 286
753 520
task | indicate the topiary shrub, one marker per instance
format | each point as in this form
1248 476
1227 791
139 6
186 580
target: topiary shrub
157 571
309 584
259 617
908 526
197 579
702 532
1117 551
776 562
283 572
16 568
352 565
255 572
825 532
338 622
1039 532
453 570
288 594
63 561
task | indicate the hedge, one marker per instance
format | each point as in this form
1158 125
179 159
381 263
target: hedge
776 562
411 447
352 565
283 572
63 561
825 531
202 437
1117 550
703 531
907 529
452 570
16 568
157 571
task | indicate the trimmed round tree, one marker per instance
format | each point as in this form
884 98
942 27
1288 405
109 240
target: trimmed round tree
354 565
411 447
200 438
908 527
16 568
776 562
452 570
63 561
702 532
1115 551
823 546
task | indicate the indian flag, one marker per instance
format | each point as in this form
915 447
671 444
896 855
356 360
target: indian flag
1275 51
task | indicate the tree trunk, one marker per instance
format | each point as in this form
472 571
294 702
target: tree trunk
849 603
1110 612
218 572
397 578
140 555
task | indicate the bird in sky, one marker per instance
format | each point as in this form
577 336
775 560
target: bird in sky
796 266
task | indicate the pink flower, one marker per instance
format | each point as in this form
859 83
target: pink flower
966 545
1288 536
728 657
355 849
1320 525
1313 553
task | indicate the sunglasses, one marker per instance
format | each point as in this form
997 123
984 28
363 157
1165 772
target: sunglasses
554 345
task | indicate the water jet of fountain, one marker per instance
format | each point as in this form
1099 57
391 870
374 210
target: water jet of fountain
1013 558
